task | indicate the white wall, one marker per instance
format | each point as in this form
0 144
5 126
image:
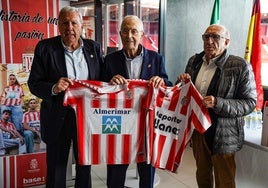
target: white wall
187 20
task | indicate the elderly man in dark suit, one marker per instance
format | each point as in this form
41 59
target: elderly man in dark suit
57 61
133 62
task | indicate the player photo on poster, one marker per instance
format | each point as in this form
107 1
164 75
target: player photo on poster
16 104
21 29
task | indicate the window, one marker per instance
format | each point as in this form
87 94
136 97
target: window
150 18
113 13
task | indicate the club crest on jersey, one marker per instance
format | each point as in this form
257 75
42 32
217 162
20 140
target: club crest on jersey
184 100
129 94
111 124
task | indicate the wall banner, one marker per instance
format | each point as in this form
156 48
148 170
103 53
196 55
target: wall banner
22 24
23 170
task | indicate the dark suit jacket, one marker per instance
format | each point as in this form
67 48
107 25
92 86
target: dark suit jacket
153 65
47 68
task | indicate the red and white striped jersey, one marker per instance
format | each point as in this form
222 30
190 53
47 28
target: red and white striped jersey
174 112
12 95
8 126
32 118
110 121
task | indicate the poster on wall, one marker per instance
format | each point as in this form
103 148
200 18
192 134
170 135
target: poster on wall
22 24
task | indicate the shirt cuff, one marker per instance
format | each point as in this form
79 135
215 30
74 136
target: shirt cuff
52 93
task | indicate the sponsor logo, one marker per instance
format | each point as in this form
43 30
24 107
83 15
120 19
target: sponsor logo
33 181
111 124
166 123
112 111
33 164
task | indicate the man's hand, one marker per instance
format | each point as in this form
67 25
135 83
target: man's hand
62 85
156 81
183 77
118 80
209 101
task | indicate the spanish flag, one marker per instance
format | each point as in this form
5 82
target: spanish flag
253 50
215 17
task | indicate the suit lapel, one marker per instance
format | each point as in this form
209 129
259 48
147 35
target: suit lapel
146 66
122 59
90 56
59 59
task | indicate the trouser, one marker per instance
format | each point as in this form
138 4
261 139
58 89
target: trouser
116 175
2 145
222 165
57 158
29 140
15 142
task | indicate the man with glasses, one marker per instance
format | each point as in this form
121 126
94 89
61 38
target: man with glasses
227 84
31 125
133 62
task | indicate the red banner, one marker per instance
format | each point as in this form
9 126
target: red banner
22 24
23 170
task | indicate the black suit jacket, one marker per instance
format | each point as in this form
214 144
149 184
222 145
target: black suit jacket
47 68
153 64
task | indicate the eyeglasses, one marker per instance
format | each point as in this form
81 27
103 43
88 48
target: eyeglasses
132 31
215 37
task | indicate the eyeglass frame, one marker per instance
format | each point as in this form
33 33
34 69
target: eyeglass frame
214 37
133 31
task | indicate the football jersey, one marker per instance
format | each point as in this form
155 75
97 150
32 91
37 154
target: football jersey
110 121
12 95
9 126
32 118
174 112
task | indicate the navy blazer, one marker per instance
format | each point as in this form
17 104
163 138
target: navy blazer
47 68
153 64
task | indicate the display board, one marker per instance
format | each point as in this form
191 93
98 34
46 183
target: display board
23 170
22 24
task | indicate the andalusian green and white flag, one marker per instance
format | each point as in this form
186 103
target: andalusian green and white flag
215 17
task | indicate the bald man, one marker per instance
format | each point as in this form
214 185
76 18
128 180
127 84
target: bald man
227 85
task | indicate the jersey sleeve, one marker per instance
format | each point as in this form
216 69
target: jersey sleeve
200 116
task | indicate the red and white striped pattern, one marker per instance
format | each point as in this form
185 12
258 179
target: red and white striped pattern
32 118
8 125
100 107
174 113
27 170
12 95
38 21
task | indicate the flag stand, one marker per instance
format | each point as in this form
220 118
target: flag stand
132 179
